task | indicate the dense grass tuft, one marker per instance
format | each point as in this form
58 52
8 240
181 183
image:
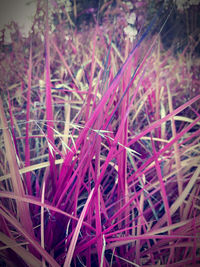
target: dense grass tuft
100 152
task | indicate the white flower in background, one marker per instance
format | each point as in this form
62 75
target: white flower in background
129 5
184 4
66 3
67 38
131 19
41 83
130 32
68 6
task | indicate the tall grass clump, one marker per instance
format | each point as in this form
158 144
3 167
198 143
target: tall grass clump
100 151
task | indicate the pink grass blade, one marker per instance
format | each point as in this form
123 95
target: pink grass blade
120 241
42 221
139 227
35 201
98 196
77 230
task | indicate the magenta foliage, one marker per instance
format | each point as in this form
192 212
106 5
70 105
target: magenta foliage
109 150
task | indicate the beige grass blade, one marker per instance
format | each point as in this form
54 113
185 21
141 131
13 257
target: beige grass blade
23 253
27 236
22 208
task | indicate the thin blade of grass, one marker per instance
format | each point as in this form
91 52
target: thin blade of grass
27 145
42 221
98 197
49 110
162 185
31 168
37 202
77 231
16 179
12 124
176 149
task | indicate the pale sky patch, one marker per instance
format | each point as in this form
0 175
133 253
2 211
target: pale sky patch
20 11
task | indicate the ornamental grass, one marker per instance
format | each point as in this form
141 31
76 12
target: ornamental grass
100 151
